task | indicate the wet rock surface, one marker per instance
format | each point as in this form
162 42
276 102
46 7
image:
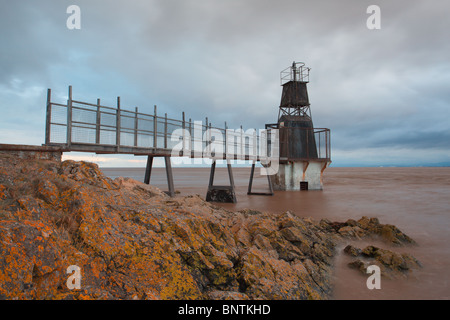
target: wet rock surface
392 265
369 227
132 241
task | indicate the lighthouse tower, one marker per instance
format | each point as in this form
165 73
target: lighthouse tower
304 150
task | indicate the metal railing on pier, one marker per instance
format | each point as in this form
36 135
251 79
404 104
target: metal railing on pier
94 127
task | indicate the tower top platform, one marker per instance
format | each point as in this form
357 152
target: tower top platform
296 72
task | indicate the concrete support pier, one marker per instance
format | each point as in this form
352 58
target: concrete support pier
300 175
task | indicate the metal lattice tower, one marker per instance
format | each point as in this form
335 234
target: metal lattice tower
294 98
304 150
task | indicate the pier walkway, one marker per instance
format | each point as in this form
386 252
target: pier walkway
93 127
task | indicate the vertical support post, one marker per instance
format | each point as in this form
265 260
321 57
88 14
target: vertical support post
205 153
69 118
136 124
210 139
270 185
211 174
148 169
327 139
230 174
118 125
329 145
225 142
97 123
183 126
155 129
165 131
320 150
169 176
190 138
255 145
242 143
250 181
48 116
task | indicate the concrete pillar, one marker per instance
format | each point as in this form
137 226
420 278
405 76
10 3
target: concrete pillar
292 173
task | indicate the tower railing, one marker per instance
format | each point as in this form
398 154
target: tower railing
316 143
296 72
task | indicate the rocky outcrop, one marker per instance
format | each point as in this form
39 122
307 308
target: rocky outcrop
392 265
369 228
132 241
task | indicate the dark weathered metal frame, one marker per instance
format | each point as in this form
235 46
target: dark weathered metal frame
317 132
296 72
212 187
250 183
169 173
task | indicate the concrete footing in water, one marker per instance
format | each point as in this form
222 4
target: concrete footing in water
299 175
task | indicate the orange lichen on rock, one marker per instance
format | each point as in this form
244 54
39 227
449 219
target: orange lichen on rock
2 192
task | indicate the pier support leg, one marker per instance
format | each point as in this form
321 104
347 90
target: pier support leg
169 174
221 193
148 170
230 176
250 183
211 175
169 177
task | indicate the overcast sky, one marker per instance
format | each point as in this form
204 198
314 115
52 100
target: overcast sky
385 94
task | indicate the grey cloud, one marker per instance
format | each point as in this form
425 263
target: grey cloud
222 59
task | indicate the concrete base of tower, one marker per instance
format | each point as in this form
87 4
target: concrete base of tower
300 175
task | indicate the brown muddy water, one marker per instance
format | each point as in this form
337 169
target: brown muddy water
416 200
